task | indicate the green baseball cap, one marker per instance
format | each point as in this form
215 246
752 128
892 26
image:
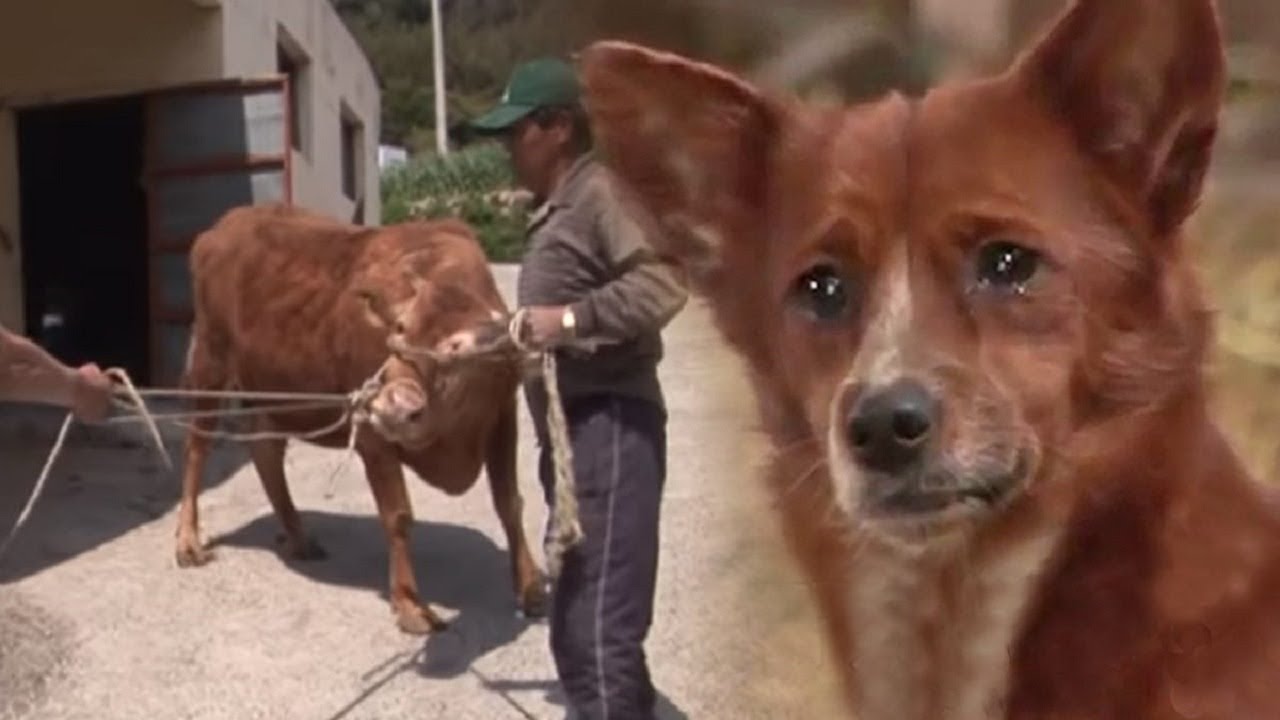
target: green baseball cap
535 84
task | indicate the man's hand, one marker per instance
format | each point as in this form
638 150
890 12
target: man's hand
91 394
544 327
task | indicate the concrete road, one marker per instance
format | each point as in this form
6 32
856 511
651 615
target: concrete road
97 622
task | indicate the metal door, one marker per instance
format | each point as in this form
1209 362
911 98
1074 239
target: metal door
210 148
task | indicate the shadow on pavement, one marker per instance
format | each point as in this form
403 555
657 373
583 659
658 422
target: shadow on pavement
665 710
458 569
107 481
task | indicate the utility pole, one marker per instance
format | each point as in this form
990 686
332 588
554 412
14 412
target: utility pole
437 46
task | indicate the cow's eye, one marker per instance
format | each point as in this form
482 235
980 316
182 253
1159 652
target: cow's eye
822 292
1005 266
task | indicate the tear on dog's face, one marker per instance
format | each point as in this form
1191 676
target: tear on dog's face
951 295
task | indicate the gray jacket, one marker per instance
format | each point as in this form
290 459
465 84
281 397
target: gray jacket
583 250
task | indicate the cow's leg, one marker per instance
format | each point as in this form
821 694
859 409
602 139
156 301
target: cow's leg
268 460
386 479
189 550
500 466
203 372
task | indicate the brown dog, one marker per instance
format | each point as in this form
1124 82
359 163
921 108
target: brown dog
977 343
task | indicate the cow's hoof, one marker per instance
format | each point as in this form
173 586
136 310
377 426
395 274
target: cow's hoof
190 556
534 599
303 550
419 621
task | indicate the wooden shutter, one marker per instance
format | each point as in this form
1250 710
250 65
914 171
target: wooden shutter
210 148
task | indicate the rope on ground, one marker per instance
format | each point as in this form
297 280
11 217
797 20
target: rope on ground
39 486
130 391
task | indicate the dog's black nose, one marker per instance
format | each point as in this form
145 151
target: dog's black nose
889 428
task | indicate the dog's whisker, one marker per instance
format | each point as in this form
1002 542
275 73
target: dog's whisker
807 443
818 465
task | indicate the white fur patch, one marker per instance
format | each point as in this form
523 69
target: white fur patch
880 361
844 477
899 601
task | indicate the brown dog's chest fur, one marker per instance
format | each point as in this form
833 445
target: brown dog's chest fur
940 621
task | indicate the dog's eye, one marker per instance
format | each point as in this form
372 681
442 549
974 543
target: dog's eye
1005 266
821 291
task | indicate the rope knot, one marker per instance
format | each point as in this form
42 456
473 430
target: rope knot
360 400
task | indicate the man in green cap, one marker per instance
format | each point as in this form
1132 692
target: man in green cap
597 295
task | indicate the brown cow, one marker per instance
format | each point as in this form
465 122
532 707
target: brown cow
289 301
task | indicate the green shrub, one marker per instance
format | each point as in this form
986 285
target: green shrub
501 229
467 184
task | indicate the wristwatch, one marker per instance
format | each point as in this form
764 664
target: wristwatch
568 322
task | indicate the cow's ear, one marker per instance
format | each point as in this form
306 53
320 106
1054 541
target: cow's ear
690 144
420 264
1140 83
377 310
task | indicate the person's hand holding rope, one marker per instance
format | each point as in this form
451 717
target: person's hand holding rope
91 394
28 373
546 327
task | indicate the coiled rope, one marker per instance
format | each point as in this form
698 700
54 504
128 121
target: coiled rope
565 530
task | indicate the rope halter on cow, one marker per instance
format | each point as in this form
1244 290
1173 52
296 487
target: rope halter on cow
564 529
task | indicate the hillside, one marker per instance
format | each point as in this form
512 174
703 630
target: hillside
485 38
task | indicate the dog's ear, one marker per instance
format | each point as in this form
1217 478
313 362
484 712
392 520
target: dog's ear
1141 83
690 144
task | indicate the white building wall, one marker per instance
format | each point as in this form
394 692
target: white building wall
336 74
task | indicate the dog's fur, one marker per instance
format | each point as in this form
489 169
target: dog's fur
1014 247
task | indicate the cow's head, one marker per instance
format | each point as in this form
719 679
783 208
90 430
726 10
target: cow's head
433 304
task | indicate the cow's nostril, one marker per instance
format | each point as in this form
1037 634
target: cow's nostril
414 415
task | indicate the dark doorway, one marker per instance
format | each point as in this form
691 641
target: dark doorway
84 231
